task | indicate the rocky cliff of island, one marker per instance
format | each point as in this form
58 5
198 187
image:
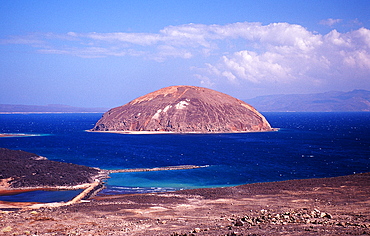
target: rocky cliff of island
184 109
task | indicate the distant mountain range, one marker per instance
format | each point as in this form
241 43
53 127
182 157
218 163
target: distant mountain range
8 108
335 101
356 100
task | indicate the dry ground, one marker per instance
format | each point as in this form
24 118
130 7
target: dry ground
329 206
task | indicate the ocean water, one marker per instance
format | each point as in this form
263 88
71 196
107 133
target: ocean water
308 145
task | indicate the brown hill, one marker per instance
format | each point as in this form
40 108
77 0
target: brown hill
184 109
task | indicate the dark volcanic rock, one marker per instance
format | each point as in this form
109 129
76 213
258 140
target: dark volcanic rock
184 109
30 170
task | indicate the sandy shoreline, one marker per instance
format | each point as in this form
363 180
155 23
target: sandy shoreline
170 132
12 191
46 112
14 135
90 189
4 135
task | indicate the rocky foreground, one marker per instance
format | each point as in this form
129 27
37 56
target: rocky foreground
329 206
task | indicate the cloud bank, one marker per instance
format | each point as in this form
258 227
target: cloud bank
241 52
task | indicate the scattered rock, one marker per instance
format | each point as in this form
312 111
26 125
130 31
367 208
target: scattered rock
196 230
341 224
325 215
6 229
239 223
299 216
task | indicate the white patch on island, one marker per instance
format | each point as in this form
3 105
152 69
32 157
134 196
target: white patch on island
166 108
156 115
181 105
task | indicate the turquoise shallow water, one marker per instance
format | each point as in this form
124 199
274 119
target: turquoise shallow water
308 145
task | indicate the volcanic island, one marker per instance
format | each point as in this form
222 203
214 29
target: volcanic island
183 109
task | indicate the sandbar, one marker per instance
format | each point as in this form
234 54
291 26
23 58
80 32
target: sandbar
13 135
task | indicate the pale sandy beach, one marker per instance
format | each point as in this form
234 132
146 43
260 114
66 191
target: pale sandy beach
13 135
169 132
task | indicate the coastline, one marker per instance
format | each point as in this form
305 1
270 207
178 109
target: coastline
10 206
324 206
47 112
4 135
180 167
90 189
170 132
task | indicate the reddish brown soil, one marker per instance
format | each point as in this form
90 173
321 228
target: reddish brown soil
329 206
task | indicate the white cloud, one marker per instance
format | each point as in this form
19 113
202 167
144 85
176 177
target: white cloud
133 38
165 51
330 22
88 52
285 53
241 52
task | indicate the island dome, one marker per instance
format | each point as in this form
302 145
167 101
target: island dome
184 109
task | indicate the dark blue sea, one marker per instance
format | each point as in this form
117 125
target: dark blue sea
308 145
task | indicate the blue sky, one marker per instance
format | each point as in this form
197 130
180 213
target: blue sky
106 53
